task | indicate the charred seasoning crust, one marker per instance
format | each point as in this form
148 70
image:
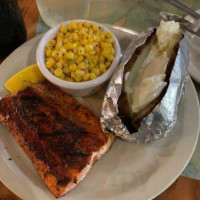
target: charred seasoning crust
57 132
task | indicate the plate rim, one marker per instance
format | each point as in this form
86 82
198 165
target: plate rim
194 147
175 177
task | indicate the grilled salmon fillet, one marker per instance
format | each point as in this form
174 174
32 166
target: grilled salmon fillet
61 137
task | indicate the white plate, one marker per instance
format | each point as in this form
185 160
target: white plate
127 171
194 66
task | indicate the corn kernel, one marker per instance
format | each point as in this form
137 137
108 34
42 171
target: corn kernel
78 43
60 36
73 74
65 63
95 44
96 48
86 65
85 36
65 40
108 35
103 45
59 64
92 53
91 47
54 53
95 60
72 45
109 45
70 55
79 25
102 67
96 38
73 67
75 36
86 25
91 31
83 41
62 77
59 40
69 62
98 32
88 60
96 71
70 38
78 78
82 31
66 70
52 42
81 51
113 51
75 51
106 53
86 30
63 50
72 26
92 76
90 40
79 59
49 46
51 59
86 77
69 79
90 67
63 28
58 45
95 27
80 72
48 52
102 36
103 71
67 34
58 72
59 55
107 64
88 47
81 65
66 46
87 55
101 59
111 58
50 62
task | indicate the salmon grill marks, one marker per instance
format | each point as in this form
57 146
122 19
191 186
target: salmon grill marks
61 136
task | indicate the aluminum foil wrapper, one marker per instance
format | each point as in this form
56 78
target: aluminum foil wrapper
161 120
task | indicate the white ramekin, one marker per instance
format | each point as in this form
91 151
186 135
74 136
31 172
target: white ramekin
75 88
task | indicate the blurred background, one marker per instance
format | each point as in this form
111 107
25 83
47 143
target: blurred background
137 14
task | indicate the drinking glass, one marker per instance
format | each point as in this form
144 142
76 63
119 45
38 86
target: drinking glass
56 11
103 11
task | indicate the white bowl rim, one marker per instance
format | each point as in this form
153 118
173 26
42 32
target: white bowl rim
75 85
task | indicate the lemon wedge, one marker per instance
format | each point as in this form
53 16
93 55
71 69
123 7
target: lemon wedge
24 78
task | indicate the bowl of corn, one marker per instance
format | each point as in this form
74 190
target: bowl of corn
78 56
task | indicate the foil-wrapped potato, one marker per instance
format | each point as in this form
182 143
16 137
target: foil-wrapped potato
147 73
141 101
